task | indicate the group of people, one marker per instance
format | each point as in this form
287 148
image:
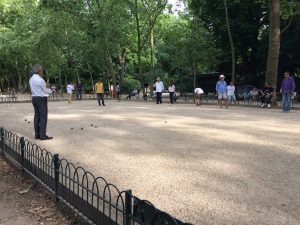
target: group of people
159 88
40 93
77 87
227 93
70 88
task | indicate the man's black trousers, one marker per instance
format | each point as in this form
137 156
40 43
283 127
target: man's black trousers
158 97
40 105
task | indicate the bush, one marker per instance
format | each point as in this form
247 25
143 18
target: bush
130 84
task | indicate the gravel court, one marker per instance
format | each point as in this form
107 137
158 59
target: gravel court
204 165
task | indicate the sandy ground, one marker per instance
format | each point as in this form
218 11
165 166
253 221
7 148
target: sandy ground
204 165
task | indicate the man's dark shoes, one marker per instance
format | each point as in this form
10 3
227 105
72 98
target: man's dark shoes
37 137
46 138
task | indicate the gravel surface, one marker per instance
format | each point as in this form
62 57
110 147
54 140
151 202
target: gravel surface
204 165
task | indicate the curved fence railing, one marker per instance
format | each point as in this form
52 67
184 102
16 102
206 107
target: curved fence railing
94 198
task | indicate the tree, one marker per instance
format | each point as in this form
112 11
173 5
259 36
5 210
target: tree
186 48
274 45
230 41
145 13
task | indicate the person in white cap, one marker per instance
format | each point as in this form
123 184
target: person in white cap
159 87
198 96
221 89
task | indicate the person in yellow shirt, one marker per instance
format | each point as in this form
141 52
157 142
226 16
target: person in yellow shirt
99 89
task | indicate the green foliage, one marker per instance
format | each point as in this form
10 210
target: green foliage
130 83
82 40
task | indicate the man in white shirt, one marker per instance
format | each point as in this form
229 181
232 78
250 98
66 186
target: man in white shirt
159 87
230 92
70 89
40 94
198 96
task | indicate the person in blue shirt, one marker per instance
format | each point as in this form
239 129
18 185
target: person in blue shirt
221 89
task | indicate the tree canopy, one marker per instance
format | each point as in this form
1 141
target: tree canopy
134 41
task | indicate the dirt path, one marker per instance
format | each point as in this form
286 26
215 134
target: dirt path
34 207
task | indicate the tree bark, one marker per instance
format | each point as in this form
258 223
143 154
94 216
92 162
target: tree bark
274 45
139 44
19 77
122 59
113 75
152 46
194 73
231 42
91 76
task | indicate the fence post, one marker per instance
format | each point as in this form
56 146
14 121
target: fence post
56 175
2 140
22 142
128 207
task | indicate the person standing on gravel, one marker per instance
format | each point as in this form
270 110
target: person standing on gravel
118 91
287 90
171 90
99 89
40 93
221 89
70 89
231 93
159 87
79 91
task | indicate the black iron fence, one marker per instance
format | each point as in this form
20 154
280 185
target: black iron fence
93 198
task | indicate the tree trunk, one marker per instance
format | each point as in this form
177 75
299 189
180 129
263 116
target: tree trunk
91 76
139 45
231 43
274 45
194 74
113 75
19 77
60 85
152 46
77 73
122 59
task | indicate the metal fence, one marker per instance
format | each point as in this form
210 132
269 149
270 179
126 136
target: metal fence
93 198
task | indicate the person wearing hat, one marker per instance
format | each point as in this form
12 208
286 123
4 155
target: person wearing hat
159 87
221 89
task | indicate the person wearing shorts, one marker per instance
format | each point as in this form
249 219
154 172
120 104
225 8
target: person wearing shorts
221 89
